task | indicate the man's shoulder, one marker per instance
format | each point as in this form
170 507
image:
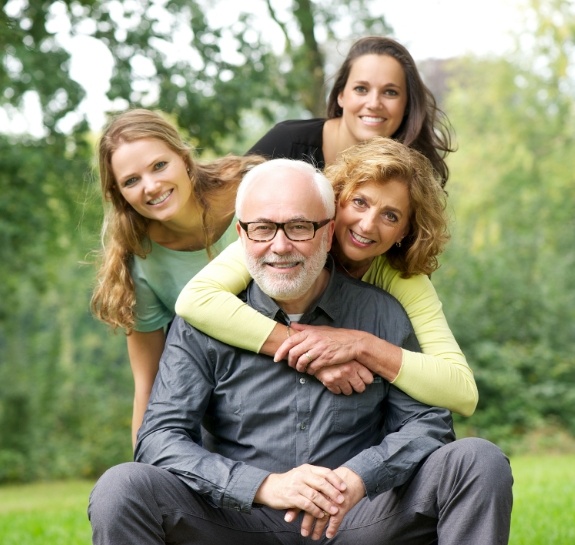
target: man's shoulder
362 291
199 345
368 308
369 299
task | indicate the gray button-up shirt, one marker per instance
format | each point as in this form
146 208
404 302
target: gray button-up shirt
222 419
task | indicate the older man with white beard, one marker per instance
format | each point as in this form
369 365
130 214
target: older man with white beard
235 448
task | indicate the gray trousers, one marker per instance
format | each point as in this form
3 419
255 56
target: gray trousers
461 495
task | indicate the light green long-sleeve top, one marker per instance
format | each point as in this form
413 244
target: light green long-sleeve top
438 376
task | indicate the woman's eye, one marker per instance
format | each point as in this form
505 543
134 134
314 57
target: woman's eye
160 164
360 89
359 202
390 216
391 92
129 182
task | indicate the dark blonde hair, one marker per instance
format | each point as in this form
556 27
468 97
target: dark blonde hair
381 160
124 230
424 127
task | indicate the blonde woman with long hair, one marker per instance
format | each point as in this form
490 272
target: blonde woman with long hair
166 215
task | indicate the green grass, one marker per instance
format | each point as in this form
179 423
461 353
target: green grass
55 513
45 514
544 500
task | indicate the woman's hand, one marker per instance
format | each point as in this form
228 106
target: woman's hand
331 354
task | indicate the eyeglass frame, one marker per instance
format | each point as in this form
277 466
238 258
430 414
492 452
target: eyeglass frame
280 226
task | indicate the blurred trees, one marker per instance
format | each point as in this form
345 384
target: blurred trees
506 280
65 383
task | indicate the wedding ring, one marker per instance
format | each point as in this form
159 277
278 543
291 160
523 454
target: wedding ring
309 358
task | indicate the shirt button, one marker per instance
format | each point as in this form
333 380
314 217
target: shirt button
302 426
302 380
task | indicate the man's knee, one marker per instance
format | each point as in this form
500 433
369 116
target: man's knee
481 458
117 489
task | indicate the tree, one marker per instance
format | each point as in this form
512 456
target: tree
507 281
65 387
34 62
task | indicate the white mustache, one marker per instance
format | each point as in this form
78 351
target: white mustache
290 259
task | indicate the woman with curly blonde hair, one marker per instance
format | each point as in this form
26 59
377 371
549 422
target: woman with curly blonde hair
378 162
390 226
166 215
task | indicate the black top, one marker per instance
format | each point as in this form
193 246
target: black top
293 139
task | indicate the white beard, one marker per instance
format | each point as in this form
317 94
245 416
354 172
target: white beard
287 287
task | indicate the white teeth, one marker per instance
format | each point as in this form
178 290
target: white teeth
161 198
369 119
281 265
361 239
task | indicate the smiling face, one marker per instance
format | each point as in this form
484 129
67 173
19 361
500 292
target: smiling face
152 178
374 98
286 270
375 217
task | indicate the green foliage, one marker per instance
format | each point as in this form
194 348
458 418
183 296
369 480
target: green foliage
506 280
176 56
65 387
33 62
39 211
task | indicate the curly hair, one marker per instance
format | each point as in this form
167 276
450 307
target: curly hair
424 127
381 160
125 231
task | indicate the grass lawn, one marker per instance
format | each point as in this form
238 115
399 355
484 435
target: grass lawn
45 514
55 513
544 500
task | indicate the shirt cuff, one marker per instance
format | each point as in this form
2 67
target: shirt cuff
242 488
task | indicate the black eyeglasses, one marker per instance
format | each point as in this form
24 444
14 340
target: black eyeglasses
296 230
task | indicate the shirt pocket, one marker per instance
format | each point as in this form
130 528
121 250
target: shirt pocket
360 413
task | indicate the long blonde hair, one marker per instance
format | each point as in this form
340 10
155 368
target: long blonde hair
381 160
125 231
